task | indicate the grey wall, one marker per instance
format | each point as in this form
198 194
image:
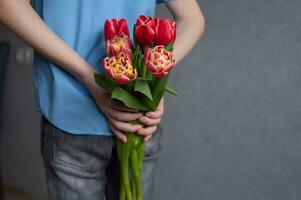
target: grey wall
234 132
238 136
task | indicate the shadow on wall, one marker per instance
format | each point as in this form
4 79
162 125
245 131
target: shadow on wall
9 190
4 51
15 193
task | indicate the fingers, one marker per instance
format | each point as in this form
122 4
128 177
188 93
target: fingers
147 131
150 121
155 114
158 112
146 138
123 116
118 133
119 106
125 126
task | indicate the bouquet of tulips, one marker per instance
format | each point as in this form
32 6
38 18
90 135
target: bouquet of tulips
137 75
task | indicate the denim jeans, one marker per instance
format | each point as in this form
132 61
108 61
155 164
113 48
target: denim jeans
85 167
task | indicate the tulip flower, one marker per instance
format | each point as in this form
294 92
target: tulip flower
118 44
120 68
156 31
165 31
115 27
145 30
158 60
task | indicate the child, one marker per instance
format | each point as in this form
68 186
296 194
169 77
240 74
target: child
78 117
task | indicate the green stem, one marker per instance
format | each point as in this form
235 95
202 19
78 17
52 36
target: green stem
153 83
134 171
123 150
140 157
130 156
129 86
143 69
122 194
137 175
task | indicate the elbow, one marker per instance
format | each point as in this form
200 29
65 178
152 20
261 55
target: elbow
3 3
202 20
3 8
196 24
201 24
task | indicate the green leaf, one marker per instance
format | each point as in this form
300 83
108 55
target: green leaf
136 56
128 99
169 47
143 87
104 81
171 90
158 88
144 79
135 40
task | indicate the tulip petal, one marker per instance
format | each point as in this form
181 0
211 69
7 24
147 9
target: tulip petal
122 80
120 68
164 36
160 74
158 60
109 29
145 35
141 20
122 27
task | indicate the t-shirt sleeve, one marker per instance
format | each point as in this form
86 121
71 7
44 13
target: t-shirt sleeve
163 1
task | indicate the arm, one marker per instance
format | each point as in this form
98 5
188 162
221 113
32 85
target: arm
20 18
190 27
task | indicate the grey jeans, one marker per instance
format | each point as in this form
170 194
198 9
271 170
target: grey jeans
85 167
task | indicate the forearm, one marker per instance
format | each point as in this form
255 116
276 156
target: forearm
20 18
190 26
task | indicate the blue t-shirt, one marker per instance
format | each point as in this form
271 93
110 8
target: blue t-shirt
61 98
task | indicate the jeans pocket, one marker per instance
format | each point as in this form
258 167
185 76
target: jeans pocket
75 151
152 147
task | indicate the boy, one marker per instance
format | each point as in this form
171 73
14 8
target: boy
78 117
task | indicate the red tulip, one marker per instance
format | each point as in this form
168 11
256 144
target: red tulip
149 31
166 31
145 30
158 60
115 27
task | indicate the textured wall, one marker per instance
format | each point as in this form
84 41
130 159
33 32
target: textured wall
238 134
234 132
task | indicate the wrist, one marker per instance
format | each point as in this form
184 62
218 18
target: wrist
87 78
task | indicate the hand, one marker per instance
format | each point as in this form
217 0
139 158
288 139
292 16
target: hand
151 120
117 114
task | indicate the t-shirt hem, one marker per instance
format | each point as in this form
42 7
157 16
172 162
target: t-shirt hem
163 1
76 131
